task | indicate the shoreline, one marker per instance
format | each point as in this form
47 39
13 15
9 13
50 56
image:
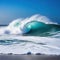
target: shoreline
29 57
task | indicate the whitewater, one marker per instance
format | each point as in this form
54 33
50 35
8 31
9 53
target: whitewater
35 34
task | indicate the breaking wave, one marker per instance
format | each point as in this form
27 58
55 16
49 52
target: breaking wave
36 23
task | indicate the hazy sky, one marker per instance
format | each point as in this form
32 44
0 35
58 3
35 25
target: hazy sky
13 9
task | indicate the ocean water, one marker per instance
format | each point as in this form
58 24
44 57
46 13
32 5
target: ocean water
36 34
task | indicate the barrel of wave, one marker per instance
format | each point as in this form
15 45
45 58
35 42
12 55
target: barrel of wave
33 25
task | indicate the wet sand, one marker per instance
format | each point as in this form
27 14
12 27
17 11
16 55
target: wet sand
29 57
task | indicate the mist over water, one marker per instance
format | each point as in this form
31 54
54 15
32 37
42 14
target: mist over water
36 34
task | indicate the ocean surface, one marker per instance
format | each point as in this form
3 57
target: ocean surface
36 34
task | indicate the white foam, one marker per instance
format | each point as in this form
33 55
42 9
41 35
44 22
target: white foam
51 45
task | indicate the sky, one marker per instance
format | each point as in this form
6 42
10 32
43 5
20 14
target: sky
14 9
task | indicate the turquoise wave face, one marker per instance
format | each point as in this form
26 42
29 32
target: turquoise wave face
34 26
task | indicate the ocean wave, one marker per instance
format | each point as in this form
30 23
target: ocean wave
36 22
